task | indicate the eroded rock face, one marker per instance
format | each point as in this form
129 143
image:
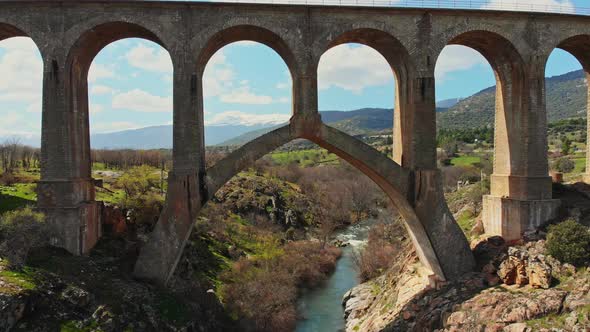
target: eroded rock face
539 273
513 271
481 302
527 266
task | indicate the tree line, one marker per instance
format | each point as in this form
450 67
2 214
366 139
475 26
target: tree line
14 155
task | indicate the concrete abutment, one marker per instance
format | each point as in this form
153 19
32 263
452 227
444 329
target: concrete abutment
72 212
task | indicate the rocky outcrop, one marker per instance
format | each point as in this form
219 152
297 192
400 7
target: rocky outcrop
373 305
517 288
526 267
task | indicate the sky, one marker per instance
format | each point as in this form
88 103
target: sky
130 82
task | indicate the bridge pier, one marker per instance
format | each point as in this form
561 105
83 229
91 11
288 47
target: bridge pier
66 191
160 255
521 189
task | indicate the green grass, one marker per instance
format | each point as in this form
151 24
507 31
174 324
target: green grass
305 158
25 279
580 162
466 221
17 196
465 160
113 196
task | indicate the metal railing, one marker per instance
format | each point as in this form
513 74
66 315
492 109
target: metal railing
503 5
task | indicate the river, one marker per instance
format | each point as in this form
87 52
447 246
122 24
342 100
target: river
321 308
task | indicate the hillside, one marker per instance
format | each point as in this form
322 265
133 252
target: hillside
566 98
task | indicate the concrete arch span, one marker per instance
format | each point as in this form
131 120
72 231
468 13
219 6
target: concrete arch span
446 259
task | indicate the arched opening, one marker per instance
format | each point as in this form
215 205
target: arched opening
293 195
119 86
506 63
79 61
247 85
567 98
21 85
368 71
466 108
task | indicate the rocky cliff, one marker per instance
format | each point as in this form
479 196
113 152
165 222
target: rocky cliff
516 287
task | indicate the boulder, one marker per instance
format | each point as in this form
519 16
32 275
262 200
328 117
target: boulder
513 271
539 273
76 296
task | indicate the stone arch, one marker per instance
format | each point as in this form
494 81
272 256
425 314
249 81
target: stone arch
247 32
9 31
402 67
579 47
393 179
509 70
78 62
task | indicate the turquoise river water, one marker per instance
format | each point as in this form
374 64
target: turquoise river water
321 308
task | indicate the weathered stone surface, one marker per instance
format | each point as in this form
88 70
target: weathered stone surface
539 273
513 271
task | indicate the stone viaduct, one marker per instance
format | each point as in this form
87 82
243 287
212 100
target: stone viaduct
69 34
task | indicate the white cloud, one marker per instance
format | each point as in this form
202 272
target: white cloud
14 124
101 90
243 95
247 119
565 6
284 100
218 75
149 58
22 71
141 101
99 72
457 58
353 69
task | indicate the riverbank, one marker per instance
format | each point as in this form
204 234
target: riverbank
321 308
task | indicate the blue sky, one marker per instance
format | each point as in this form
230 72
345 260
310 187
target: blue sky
130 83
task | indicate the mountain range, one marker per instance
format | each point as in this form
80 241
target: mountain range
566 98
